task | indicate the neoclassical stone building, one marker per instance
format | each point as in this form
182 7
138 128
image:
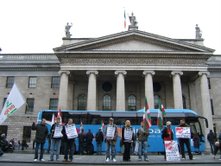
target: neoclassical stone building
114 72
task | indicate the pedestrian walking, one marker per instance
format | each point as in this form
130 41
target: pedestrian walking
142 136
167 134
56 135
127 139
110 133
69 133
218 146
99 137
184 141
40 137
211 137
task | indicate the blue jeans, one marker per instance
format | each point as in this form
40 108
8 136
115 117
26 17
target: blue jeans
99 147
41 145
55 148
110 146
142 149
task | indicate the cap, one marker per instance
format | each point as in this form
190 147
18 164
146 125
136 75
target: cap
168 123
111 119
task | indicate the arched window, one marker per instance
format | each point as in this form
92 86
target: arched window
82 102
132 103
106 102
157 101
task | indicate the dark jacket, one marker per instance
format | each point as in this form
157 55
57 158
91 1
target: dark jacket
41 132
99 137
165 134
142 134
211 137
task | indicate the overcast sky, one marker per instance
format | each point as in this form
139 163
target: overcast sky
37 26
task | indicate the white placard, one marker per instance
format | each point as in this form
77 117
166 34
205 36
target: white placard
57 132
110 132
183 132
172 151
128 133
71 131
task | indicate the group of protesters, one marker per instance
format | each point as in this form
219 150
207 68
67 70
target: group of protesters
109 134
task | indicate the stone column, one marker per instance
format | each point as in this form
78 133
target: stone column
205 97
120 92
63 90
149 87
92 90
177 90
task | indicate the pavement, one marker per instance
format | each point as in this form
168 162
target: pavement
154 159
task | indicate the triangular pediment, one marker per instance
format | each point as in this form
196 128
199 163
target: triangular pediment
132 41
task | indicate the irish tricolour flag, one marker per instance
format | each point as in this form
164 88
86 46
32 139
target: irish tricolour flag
14 101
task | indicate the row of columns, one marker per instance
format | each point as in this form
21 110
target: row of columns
120 90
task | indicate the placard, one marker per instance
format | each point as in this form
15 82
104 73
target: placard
57 132
183 132
172 151
110 132
128 133
71 131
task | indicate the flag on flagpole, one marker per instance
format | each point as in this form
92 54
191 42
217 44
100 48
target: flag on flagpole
52 120
14 101
125 20
146 115
161 115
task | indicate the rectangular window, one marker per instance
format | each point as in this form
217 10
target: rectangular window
27 133
9 82
32 82
55 82
53 105
3 129
30 105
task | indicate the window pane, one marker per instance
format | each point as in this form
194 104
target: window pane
106 102
30 105
132 103
9 82
55 82
53 105
27 133
32 83
82 102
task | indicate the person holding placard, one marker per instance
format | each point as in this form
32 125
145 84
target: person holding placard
183 134
70 133
142 136
110 133
56 135
127 139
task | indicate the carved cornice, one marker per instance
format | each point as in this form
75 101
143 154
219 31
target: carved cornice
203 73
92 72
120 72
146 72
173 73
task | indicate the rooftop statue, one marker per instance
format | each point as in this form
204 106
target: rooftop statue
67 30
133 22
198 32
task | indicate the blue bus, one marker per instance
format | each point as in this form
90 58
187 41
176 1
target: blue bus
92 120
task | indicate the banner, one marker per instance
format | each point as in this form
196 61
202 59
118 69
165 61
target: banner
172 151
14 101
183 132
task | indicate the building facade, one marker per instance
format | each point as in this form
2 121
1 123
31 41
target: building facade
113 72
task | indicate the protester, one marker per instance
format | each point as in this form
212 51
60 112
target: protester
127 139
211 139
69 133
142 136
56 135
110 133
99 137
167 134
82 141
196 143
40 137
218 146
89 140
184 141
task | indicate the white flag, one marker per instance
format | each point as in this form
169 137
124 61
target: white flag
14 101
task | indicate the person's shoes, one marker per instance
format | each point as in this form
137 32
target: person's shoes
35 159
65 160
114 160
140 159
51 160
42 159
146 159
107 159
183 158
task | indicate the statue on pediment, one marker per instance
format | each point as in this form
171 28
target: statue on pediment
198 32
67 30
133 22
